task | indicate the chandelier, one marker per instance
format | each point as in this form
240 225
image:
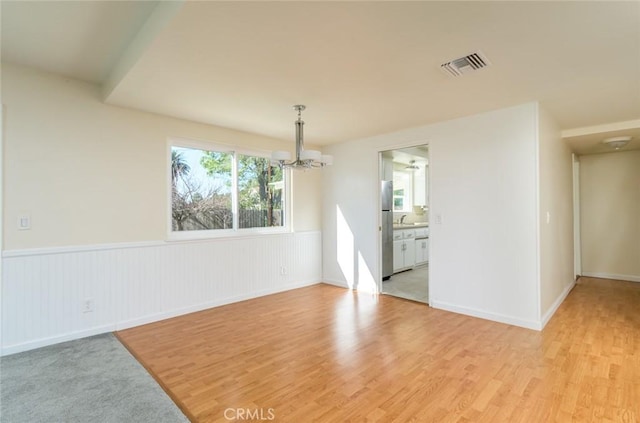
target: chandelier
305 159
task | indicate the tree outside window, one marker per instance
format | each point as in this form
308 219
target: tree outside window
206 184
259 192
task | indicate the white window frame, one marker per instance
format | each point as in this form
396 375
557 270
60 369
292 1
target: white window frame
407 197
235 231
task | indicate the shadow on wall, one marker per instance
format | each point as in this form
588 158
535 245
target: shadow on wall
352 264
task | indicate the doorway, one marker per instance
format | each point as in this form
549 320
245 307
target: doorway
404 208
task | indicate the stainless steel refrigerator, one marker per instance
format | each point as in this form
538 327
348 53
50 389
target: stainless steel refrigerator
387 228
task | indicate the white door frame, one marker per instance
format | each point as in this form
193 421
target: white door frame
577 250
427 187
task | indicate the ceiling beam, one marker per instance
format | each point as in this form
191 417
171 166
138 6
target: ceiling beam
163 13
598 129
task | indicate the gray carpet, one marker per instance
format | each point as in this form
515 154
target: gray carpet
89 380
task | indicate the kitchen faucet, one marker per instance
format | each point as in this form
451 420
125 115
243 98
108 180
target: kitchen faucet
402 218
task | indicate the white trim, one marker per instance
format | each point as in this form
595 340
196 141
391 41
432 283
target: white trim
496 317
627 278
235 231
577 226
378 194
78 248
210 304
538 227
13 349
235 217
205 144
44 342
226 233
379 180
200 144
556 304
143 244
400 146
335 282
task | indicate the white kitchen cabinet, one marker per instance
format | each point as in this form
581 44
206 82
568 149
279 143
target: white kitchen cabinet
410 254
398 255
422 251
422 232
404 254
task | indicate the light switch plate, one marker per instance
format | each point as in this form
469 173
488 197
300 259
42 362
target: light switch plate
24 222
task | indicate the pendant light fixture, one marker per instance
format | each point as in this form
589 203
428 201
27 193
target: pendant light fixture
305 159
412 165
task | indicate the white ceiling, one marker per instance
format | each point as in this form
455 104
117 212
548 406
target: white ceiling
362 68
78 39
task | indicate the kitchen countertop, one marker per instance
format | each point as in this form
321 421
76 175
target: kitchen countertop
410 225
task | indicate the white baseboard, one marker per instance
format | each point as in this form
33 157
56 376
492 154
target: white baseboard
211 304
529 324
44 342
495 317
556 304
628 278
336 282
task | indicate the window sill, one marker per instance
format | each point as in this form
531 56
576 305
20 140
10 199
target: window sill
225 234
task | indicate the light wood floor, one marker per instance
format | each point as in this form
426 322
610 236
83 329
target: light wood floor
329 355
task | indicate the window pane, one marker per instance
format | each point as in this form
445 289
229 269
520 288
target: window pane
402 184
201 189
260 191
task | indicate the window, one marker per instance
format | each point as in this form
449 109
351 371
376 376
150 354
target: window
402 188
215 191
260 188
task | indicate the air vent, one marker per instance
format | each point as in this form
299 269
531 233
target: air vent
465 64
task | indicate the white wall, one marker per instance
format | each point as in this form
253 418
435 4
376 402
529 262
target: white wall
93 179
556 202
90 173
483 184
610 215
351 218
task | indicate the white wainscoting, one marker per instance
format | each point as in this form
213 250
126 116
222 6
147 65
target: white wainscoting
43 291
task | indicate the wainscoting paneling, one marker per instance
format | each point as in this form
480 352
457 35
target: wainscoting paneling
44 291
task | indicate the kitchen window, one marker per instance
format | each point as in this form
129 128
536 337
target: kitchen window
402 190
221 191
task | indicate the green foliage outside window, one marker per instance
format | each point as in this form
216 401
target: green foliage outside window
202 190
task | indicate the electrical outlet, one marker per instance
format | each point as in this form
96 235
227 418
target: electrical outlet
88 305
283 270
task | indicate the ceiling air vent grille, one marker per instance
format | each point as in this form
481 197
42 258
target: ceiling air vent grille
472 62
